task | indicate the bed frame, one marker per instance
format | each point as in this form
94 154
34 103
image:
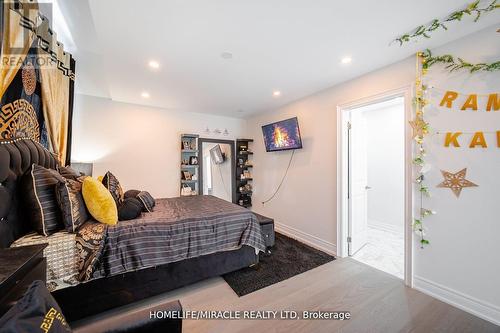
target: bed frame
96 296
99 295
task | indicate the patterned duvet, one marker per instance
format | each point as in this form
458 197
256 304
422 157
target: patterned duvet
178 229
61 254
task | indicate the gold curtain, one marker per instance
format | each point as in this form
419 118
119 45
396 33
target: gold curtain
55 93
16 42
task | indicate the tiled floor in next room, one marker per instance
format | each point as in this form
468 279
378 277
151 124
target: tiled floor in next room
384 250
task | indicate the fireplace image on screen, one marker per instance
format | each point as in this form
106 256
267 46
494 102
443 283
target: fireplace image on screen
282 135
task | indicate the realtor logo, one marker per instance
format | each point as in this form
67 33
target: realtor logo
27 27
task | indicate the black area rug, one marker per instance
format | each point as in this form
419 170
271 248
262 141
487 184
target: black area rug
288 258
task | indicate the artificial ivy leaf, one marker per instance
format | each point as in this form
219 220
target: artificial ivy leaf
473 5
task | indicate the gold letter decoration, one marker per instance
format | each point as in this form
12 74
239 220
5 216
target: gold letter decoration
448 99
478 140
493 102
470 103
451 138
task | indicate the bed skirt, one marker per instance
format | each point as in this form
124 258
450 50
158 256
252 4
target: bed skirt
99 295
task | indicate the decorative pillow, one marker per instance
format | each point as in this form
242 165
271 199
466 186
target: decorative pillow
42 209
131 194
113 185
69 173
130 209
37 311
70 199
147 201
99 201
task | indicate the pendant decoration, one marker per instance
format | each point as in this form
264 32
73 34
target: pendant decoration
456 181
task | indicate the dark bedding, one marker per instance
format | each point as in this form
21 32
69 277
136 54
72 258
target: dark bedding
178 229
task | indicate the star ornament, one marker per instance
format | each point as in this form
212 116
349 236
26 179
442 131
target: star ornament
419 127
456 181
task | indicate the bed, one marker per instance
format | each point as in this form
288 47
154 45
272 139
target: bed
182 241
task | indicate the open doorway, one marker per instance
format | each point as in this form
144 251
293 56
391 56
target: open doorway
374 187
377 185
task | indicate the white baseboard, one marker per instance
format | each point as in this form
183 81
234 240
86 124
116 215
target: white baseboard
306 238
464 302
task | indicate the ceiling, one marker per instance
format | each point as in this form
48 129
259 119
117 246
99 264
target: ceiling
294 46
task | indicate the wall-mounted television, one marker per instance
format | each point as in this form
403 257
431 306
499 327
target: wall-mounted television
216 154
282 135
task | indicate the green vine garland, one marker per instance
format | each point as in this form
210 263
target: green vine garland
426 30
453 64
420 126
421 129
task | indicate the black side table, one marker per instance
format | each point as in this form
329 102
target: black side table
19 267
267 228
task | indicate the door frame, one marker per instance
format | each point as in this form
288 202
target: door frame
343 173
232 143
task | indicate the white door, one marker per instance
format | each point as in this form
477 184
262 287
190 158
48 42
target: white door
358 179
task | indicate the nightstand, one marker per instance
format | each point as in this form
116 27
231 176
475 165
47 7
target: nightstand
267 229
19 267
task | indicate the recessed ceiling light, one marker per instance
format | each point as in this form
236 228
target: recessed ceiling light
154 64
226 55
276 93
346 60
145 95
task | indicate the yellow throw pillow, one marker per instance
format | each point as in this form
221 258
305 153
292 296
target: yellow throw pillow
100 178
99 201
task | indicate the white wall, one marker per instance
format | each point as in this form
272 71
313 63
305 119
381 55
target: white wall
385 161
460 265
140 145
306 204
465 234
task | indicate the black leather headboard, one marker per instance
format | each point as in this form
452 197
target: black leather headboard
16 156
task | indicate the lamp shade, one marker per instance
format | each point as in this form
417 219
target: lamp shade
85 168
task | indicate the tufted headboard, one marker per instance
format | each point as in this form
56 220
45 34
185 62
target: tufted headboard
16 156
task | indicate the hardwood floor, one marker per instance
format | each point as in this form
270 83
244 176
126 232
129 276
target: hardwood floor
378 302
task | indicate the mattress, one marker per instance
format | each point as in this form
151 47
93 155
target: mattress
61 255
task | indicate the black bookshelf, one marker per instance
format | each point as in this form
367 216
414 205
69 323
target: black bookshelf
243 173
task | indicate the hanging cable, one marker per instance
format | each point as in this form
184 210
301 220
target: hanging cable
282 180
